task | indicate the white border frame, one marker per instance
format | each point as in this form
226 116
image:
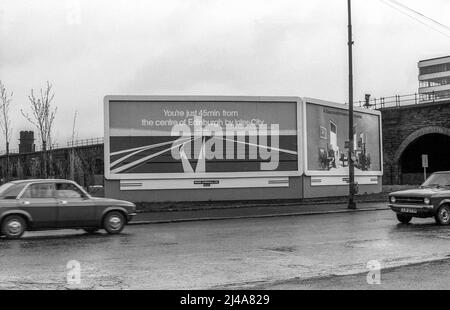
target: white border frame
300 151
313 101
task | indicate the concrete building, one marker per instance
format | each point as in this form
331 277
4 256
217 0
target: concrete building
434 78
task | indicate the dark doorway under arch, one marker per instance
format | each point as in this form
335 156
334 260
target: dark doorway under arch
436 146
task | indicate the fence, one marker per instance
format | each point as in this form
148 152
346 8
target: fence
11 151
404 100
55 146
91 141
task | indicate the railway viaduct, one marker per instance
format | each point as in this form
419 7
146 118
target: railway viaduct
410 131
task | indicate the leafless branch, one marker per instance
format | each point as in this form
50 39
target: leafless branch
5 121
42 114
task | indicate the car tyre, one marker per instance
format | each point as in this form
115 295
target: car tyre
404 218
114 222
13 227
442 216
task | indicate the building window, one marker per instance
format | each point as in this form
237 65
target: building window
436 95
435 69
435 82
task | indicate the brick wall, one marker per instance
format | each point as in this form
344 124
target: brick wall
402 125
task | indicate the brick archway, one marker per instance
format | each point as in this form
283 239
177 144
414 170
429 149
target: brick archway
417 134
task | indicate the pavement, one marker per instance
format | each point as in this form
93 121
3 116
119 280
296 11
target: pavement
433 275
232 254
258 210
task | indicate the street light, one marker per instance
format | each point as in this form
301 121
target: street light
351 164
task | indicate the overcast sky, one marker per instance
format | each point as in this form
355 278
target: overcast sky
89 49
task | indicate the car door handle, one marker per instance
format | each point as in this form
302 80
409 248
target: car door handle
25 202
62 202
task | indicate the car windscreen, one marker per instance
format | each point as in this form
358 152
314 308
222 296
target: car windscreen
438 180
11 190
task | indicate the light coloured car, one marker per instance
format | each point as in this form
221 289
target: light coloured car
44 204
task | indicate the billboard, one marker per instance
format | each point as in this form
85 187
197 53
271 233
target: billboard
191 137
326 125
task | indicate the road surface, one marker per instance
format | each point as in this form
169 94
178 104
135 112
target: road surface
434 275
245 253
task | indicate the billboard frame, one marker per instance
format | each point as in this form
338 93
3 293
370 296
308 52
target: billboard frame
313 101
207 175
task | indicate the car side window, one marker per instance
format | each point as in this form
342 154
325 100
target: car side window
68 190
41 190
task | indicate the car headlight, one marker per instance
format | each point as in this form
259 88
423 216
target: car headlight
426 201
392 199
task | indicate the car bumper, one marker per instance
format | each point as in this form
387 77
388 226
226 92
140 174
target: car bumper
421 210
130 216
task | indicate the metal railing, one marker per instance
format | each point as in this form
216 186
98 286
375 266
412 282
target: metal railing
84 142
11 151
38 147
54 146
404 100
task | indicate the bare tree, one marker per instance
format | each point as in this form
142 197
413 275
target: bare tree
73 126
42 117
5 121
72 150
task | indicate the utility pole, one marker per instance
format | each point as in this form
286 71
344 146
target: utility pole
351 164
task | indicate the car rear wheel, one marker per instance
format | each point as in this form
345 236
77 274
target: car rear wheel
114 222
442 216
404 218
13 227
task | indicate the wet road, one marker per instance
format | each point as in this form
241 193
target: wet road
221 254
433 275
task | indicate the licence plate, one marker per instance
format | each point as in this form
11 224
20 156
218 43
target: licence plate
408 210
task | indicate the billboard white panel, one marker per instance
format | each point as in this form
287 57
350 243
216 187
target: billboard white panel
327 131
154 137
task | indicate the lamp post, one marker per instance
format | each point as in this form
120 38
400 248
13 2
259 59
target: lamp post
351 165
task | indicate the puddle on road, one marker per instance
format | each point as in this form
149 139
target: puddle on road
373 243
168 243
282 249
439 237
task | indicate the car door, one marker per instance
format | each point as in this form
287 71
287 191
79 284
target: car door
39 201
75 208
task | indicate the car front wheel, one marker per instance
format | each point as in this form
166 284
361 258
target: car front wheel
114 222
443 215
404 218
13 227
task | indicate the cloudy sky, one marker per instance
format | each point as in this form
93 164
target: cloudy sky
88 49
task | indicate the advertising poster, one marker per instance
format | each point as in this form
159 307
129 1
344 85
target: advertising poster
327 133
180 138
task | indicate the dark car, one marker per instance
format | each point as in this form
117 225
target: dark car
431 199
58 204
